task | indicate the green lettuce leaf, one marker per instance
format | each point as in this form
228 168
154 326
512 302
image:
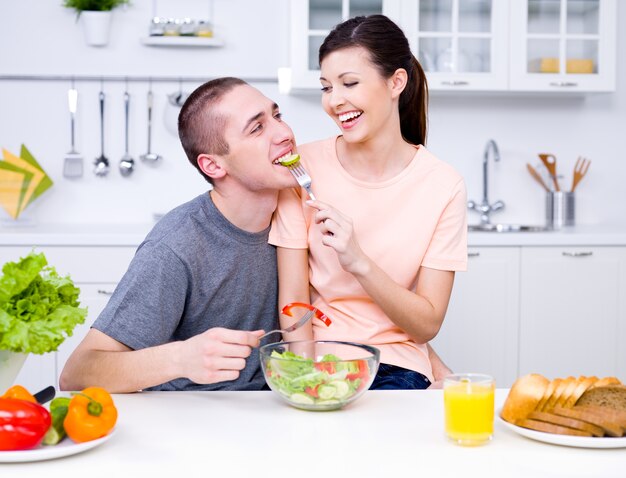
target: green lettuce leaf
38 308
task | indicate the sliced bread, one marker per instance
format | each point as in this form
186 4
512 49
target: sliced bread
568 391
560 389
581 388
611 397
615 416
525 394
605 381
610 428
551 428
548 393
569 422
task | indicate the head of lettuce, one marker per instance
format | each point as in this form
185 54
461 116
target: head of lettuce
38 308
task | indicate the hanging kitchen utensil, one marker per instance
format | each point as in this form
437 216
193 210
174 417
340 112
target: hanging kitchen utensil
150 158
580 169
549 160
127 163
533 172
73 163
101 163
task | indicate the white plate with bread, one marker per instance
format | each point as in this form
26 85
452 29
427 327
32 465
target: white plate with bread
584 412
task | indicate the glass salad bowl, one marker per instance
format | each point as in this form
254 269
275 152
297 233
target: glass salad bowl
319 375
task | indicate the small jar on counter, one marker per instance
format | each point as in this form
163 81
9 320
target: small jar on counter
204 29
172 28
187 27
157 27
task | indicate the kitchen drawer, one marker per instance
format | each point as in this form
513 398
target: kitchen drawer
84 264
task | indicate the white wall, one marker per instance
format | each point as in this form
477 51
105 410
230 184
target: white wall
41 37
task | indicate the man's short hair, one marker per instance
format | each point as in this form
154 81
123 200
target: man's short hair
200 127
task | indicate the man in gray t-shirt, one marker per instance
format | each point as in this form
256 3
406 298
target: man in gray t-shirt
202 287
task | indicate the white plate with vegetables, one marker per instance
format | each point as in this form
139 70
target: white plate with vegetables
65 448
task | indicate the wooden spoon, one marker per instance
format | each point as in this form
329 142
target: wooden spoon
533 172
549 160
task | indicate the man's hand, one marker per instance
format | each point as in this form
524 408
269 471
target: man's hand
217 355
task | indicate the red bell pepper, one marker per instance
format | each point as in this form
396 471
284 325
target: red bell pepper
22 424
312 391
318 313
363 374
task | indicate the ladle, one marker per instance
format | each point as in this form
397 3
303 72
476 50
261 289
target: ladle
127 163
101 163
150 158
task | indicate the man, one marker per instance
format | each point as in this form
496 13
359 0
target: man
202 287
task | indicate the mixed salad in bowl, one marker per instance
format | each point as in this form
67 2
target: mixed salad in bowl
319 375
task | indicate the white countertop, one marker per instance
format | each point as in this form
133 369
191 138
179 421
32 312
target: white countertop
133 234
255 434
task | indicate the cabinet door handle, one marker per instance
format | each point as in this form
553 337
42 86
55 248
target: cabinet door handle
105 292
455 83
473 254
563 84
578 254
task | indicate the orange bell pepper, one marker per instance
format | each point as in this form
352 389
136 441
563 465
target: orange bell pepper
91 415
19 393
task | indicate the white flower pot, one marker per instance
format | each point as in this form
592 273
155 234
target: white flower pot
96 27
10 365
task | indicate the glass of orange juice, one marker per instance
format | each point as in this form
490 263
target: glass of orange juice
469 407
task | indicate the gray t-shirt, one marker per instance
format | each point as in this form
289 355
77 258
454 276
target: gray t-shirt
195 271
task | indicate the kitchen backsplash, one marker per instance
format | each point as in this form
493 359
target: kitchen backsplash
36 113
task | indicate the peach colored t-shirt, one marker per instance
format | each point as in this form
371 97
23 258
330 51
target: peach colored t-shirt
417 218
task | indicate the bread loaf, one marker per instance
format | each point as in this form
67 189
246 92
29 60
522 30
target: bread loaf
525 394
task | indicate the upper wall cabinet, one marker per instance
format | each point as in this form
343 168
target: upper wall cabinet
461 44
311 21
563 45
479 45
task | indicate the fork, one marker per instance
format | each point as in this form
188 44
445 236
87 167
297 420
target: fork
303 178
580 169
303 320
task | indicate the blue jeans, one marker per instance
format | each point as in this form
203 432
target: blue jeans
391 377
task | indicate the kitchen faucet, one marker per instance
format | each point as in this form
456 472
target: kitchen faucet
484 208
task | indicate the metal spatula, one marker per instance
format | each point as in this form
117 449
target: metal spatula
73 164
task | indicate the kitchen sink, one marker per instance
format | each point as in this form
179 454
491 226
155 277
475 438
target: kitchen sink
506 228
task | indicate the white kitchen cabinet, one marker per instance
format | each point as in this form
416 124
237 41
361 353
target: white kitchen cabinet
573 314
479 333
553 46
311 21
563 45
461 44
95 270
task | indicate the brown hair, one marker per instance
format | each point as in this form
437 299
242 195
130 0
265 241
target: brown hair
200 128
389 50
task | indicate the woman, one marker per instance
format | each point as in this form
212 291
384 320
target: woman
381 244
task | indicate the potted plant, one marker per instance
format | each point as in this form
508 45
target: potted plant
95 16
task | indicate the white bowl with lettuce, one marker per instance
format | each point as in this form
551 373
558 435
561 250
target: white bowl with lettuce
319 375
38 310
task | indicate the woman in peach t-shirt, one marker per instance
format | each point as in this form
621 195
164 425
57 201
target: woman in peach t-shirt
378 249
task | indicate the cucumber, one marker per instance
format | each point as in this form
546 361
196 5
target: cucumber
56 432
302 398
289 160
342 389
326 391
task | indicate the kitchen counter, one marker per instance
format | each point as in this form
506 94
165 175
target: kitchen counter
132 235
250 434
